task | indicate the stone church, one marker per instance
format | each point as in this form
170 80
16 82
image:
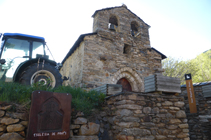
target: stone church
118 51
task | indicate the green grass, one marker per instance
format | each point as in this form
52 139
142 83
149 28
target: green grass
82 100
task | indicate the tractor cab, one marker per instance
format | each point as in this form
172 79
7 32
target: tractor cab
19 51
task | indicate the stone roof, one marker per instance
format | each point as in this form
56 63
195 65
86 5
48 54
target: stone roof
109 8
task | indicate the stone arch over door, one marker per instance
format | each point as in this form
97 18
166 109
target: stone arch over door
132 76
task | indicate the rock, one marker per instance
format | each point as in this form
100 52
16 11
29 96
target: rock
22 116
132 97
128 106
140 98
80 120
84 138
163 131
124 112
138 111
124 137
167 103
15 128
2 128
179 104
22 133
2 113
160 137
5 107
174 108
180 114
147 110
79 114
174 121
8 121
155 110
73 126
183 126
128 124
147 138
163 110
135 132
183 135
11 136
160 125
24 123
171 127
120 102
158 104
90 129
131 119
171 136
142 103
103 114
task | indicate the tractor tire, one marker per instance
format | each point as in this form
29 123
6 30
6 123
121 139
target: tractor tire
43 73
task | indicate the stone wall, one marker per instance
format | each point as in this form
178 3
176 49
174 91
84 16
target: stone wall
74 67
13 125
139 116
125 116
200 122
105 62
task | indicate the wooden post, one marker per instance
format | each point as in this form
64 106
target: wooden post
190 92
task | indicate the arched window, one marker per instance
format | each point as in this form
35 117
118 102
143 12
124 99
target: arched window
125 84
113 23
134 28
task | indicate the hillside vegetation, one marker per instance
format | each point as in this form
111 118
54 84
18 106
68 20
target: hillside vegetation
200 68
82 100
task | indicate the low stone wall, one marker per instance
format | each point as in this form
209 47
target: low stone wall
125 116
139 116
82 129
200 122
13 125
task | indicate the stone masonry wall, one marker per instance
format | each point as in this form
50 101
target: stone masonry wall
73 67
139 116
104 59
13 125
125 116
124 19
200 122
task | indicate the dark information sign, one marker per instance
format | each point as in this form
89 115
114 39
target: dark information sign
190 92
49 117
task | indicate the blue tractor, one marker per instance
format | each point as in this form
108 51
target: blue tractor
24 59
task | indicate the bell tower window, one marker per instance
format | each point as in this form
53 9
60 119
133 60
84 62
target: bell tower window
113 23
134 28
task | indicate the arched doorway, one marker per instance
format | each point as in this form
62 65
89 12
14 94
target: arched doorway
125 84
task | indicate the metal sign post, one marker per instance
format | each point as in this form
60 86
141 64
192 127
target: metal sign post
190 92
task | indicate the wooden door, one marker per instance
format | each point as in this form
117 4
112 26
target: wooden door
125 84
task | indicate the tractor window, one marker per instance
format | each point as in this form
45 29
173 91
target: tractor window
38 48
13 52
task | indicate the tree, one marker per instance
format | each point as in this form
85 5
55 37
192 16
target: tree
177 68
203 61
200 68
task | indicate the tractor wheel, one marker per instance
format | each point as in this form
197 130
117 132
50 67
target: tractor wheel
44 74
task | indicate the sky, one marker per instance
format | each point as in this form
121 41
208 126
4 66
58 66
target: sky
179 28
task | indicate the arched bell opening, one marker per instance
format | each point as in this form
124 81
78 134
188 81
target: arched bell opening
125 84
